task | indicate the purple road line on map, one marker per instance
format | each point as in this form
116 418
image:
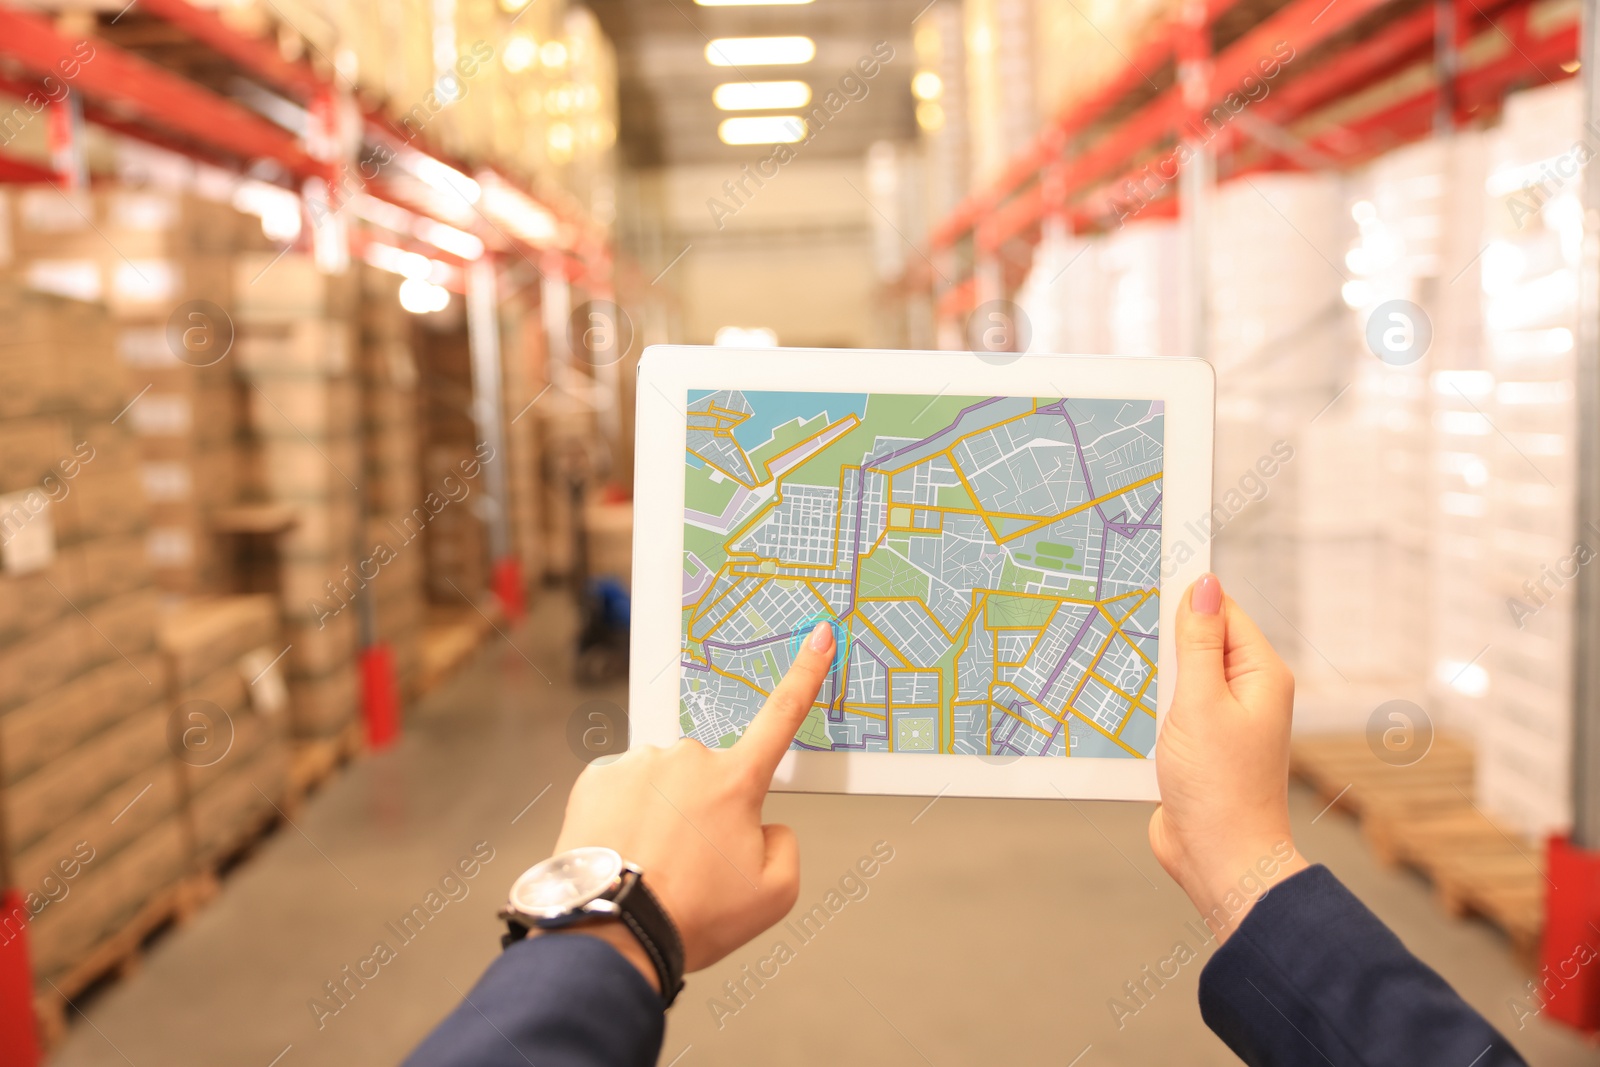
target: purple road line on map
711 643
693 666
861 488
1061 664
953 423
1136 633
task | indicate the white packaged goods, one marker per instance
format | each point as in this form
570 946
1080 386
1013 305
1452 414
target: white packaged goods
1063 296
1528 276
1141 263
1274 334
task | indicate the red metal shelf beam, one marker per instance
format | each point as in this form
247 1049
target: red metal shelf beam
1150 56
258 55
146 95
1084 188
1303 24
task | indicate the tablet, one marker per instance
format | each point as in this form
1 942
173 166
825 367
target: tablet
999 549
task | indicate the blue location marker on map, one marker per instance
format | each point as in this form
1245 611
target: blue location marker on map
841 638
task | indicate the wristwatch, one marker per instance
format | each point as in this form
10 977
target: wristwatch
585 884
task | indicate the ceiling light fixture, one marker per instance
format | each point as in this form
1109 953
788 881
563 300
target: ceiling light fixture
760 51
767 129
760 96
749 3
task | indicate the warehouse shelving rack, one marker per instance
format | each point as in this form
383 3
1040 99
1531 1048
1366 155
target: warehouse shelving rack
160 75
154 78
1078 166
169 104
1341 102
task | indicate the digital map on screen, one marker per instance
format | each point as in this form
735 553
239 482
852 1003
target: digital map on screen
990 566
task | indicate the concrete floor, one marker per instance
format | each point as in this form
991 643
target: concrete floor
999 931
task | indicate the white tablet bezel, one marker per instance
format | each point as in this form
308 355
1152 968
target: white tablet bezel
668 372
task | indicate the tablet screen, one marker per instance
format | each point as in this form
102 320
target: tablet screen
990 566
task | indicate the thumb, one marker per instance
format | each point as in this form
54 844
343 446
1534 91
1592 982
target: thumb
780 874
1202 636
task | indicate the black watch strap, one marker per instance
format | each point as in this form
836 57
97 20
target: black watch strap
640 911
643 914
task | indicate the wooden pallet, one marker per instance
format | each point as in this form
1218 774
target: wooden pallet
449 638
314 762
118 955
1423 816
1343 769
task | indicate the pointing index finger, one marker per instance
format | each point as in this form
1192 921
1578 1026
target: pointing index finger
767 737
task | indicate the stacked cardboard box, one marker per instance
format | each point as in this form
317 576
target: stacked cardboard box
1000 82
302 448
391 483
229 699
160 261
536 95
527 384
88 787
941 49
456 542
1099 41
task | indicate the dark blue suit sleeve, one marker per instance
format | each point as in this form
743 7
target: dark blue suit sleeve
556 1001
1312 977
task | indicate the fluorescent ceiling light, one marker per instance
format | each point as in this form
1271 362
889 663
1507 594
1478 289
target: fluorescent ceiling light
421 297
397 261
927 85
444 178
760 96
519 213
456 242
767 129
760 51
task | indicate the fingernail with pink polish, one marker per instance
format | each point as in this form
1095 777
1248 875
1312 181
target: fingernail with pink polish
822 637
1206 599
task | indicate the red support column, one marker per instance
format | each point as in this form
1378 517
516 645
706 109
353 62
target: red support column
1568 983
380 697
509 589
19 1038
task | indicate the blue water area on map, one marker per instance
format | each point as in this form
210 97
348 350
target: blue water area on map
773 409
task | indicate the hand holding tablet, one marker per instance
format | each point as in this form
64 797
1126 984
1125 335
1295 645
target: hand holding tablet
987 543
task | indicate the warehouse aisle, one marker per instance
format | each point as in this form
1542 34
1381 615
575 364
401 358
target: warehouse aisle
996 924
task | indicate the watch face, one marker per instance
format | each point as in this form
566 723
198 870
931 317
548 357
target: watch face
565 882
